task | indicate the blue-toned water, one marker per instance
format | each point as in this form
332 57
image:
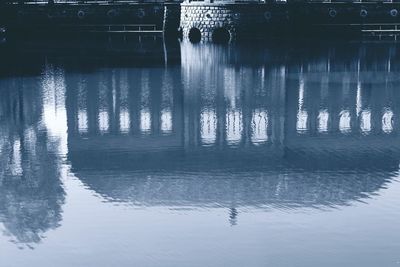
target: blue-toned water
151 154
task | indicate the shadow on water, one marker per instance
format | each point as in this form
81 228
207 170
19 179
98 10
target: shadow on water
198 126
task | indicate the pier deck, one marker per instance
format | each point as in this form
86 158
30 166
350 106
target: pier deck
245 19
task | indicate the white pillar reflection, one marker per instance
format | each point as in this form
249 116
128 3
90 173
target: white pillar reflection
124 121
167 103
82 121
103 121
234 127
302 118
208 126
259 126
302 115
358 99
345 121
145 121
166 121
124 116
16 160
365 121
387 121
323 119
145 116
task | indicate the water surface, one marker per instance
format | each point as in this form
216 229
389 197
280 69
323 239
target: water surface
153 154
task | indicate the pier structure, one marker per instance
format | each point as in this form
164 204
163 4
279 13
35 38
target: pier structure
218 20
109 17
227 20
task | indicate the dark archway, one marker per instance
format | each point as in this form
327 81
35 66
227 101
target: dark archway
221 35
194 35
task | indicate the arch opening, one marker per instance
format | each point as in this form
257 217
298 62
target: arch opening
332 13
221 35
363 13
194 35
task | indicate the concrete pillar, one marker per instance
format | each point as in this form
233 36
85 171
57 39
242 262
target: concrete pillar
172 14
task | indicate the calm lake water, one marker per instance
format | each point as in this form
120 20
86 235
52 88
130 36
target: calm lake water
120 153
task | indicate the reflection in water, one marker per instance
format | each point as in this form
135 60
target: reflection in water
323 118
31 194
387 121
228 128
240 135
302 114
365 123
259 127
208 122
344 121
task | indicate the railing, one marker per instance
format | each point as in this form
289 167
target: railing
206 1
32 2
382 30
113 28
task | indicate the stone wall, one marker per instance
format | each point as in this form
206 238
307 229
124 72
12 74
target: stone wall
238 19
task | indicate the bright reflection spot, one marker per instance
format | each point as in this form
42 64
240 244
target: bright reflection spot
82 121
259 125
302 115
208 126
302 118
387 121
234 127
145 116
16 161
124 121
323 118
365 121
54 111
55 120
103 121
166 121
345 121
145 121
358 99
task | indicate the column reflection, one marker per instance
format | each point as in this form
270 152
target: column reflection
223 132
229 128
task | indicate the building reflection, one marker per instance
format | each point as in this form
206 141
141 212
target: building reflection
232 128
228 127
31 194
